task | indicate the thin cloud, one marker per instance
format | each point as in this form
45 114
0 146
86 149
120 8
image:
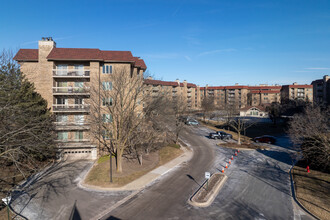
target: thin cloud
161 56
216 51
187 58
317 68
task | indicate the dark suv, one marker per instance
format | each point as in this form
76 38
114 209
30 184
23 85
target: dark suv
220 135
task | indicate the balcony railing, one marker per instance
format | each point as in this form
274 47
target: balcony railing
70 90
72 140
71 108
71 73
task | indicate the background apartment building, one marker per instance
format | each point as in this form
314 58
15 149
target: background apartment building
321 90
263 95
297 92
189 92
64 77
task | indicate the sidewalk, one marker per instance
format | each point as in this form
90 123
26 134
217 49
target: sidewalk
146 179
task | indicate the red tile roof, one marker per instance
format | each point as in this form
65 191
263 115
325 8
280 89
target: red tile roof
140 63
298 86
74 54
260 107
264 87
189 85
160 82
82 54
27 55
265 91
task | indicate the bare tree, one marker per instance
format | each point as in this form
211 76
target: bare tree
311 131
26 129
121 121
207 105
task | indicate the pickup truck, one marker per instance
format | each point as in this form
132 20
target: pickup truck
220 135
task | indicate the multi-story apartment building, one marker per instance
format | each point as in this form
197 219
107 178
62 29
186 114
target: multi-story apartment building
297 92
226 95
64 77
321 90
189 92
263 95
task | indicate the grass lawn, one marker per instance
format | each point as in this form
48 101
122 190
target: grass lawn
100 173
313 190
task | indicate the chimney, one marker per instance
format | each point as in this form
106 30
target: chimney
45 45
295 83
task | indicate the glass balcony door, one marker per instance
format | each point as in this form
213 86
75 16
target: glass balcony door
62 69
79 68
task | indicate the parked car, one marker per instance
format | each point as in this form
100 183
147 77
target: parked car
265 139
220 135
192 122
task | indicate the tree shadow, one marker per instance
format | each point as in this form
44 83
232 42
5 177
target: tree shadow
52 181
280 156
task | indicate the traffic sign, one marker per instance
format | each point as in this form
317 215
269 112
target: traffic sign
207 175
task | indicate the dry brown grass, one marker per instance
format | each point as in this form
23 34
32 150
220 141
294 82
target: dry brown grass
313 191
100 173
4 214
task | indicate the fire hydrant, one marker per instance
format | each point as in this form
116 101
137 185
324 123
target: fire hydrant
307 169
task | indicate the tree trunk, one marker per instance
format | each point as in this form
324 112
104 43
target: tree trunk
239 138
140 159
119 160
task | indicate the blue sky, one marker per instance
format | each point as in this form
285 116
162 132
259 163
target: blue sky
215 42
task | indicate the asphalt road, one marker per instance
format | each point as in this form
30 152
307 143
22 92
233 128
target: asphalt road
258 186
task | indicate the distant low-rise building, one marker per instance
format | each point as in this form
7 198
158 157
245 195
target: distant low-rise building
254 111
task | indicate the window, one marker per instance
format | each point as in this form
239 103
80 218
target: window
105 134
80 69
61 118
79 86
107 69
266 94
79 119
79 135
107 85
106 118
61 101
78 101
107 101
62 70
62 135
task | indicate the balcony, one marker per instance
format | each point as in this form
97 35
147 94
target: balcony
71 125
71 73
71 90
71 108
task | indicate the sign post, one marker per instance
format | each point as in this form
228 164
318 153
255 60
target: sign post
7 201
207 177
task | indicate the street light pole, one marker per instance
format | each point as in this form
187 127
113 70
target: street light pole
110 168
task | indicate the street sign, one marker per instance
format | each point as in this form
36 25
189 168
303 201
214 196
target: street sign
6 200
207 175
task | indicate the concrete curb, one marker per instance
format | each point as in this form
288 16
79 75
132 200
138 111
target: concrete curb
295 197
144 180
212 197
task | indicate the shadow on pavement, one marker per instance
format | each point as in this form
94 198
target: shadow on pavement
280 156
54 180
193 179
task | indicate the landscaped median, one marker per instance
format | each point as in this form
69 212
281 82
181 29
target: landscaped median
99 176
312 190
206 194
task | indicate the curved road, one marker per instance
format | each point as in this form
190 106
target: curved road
258 185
